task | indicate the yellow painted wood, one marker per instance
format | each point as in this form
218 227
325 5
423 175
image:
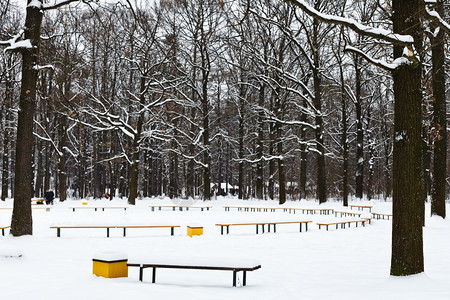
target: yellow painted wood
194 231
110 269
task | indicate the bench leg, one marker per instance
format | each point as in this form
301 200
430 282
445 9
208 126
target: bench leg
3 231
73 209
154 275
234 277
274 230
221 230
256 228
301 227
58 232
244 280
124 232
306 225
141 273
107 232
172 230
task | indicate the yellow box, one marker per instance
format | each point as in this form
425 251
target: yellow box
84 203
197 230
110 269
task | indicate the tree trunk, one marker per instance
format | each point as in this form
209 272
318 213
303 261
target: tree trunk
321 177
344 140
439 121
21 220
260 145
359 178
408 204
62 172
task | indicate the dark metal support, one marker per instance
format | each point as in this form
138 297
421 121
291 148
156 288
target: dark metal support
58 232
172 230
234 277
141 273
244 280
154 275
124 231
107 232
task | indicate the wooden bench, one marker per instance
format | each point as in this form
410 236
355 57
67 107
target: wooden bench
346 213
343 223
33 206
262 224
3 229
97 207
220 264
381 216
361 207
325 211
58 228
180 207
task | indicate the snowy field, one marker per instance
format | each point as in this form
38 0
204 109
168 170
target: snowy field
351 263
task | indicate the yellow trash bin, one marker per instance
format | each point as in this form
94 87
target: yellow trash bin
110 265
194 230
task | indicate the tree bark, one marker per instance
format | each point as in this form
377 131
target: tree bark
321 177
439 122
408 204
21 220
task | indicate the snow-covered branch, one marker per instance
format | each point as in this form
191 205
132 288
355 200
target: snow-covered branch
380 63
434 16
378 33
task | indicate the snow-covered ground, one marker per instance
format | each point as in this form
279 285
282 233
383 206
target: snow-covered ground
318 264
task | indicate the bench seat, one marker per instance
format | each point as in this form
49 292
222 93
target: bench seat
262 224
220 264
343 223
180 207
381 216
97 207
108 227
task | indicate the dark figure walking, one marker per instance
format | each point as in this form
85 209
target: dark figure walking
49 196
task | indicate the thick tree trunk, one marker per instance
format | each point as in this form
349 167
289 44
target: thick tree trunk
440 122
408 204
21 220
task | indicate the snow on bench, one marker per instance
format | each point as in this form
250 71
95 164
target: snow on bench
343 223
200 263
180 207
108 227
227 225
97 207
